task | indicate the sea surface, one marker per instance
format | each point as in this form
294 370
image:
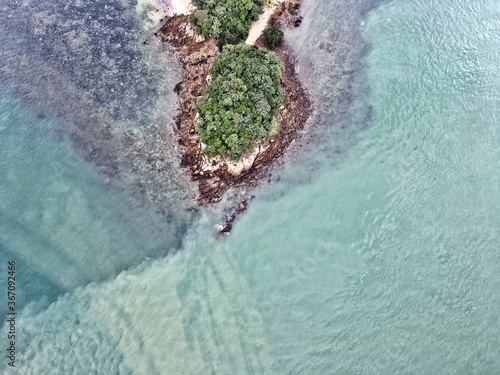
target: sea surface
374 249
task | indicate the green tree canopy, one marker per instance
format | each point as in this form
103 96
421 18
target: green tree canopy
227 20
273 37
242 99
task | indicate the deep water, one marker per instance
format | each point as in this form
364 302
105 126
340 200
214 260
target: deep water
373 249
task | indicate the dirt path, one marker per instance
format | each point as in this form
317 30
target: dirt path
259 25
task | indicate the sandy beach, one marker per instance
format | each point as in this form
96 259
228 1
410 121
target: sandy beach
185 7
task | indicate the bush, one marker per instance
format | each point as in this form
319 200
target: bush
199 19
239 105
227 20
273 37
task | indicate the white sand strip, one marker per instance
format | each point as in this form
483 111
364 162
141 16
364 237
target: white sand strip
180 6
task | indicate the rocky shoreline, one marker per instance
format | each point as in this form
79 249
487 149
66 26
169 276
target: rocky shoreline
196 54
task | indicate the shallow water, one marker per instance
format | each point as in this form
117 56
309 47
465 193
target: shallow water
373 251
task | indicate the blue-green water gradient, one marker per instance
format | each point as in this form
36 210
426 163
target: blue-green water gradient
376 252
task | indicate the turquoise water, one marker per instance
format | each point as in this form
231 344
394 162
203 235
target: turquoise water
61 223
376 254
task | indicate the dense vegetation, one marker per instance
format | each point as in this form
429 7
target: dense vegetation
227 20
242 99
272 37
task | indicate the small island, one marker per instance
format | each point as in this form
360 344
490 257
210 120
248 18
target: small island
241 103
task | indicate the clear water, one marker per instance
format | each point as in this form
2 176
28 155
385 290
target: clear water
374 250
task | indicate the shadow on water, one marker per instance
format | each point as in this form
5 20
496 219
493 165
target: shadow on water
332 58
92 69
108 81
34 285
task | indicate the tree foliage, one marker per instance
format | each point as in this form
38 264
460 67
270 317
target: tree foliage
242 99
273 37
227 20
